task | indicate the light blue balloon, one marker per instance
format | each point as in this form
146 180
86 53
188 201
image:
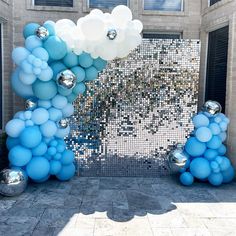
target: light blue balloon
38 168
79 88
37 71
215 142
20 54
26 78
70 59
55 47
200 168
215 128
79 73
99 63
219 159
14 127
44 103
57 67
27 115
30 137
30 29
55 167
19 156
66 172
48 129
228 175
54 114
85 60
210 154
40 116
223 126
12 142
200 120
61 133
59 101
91 73
68 110
37 62
186 179
222 150
215 179
203 134
33 42
29 123
44 90
225 164
46 74
194 147
27 67
40 150
41 53
223 136
64 92
67 157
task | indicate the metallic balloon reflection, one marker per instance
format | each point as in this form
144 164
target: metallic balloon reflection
66 79
30 104
211 107
177 159
111 34
42 33
63 123
12 182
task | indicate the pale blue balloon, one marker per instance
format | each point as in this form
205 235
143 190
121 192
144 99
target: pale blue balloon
70 60
37 62
194 147
14 127
59 101
61 133
27 115
19 156
215 142
186 178
37 70
215 179
31 137
79 88
40 150
200 120
41 53
200 168
68 110
66 172
54 114
99 63
223 136
20 54
46 74
91 73
79 73
203 134
48 129
215 128
27 67
44 90
30 29
26 78
85 60
223 126
40 116
55 167
33 42
29 123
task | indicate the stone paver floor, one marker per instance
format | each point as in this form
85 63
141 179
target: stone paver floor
120 206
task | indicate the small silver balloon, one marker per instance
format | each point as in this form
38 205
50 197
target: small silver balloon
12 182
111 34
30 104
63 123
66 79
177 158
42 33
212 107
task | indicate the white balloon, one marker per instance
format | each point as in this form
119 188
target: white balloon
121 15
138 25
97 12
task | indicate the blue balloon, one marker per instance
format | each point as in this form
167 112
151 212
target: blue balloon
20 54
48 129
33 42
11 142
52 151
30 137
221 150
14 127
57 67
46 74
203 134
186 178
85 60
79 88
210 154
38 168
67 157
195 148
215 128
59 101
214 166
54 114
99 63
50 26
27 67
53 143
41 53
55 167
64 92
66 172
44 90
71 59
215 142
68 110
19 156
79 73
44 103
40 150
91 73
223 126
40 116
200 168
61 147
228 175
42 180
55 47
215 179
28 115
225 163
72 97
30 29
200 120
223 136
26 78
61 133
57 156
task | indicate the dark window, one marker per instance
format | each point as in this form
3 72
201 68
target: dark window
163 5
59 3
106 3
212 2
217 66
161 36
1 76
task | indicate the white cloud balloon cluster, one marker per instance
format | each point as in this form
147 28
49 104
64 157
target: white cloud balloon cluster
104 35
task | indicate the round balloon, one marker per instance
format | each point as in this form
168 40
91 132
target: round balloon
66 172
186 178
30 137
19 156
194 147
200 168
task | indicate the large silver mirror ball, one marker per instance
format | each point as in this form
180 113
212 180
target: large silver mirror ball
66 79
212 107
12 182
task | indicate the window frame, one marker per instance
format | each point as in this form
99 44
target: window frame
209 3
180 34
165 11
33 2
103 9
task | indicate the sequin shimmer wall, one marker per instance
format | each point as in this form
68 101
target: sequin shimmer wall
137 111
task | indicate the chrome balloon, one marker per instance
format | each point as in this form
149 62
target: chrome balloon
42 33
211 107
111 34
12 182
63 123
177 158
30 104
66 79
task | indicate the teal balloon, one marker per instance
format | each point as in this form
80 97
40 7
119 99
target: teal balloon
99 64
228 175
41 53
59 101
210 154
85 60
91 73
54 114
68 110
50 26
19 156
31 137
203 134
215 179
20 54
79 73
79 88
215 142
200 120
200 168
66 172
225 163
44 103
38 168
72 97
186 179
14 127
44 90
222 150
64 92
55 47
30 29
55 167
194 147
57 67
70 59
67 157
11 142
40 150
33 42
40 116
46 74
48 129
215 128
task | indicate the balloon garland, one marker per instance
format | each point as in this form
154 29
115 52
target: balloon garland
53 67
